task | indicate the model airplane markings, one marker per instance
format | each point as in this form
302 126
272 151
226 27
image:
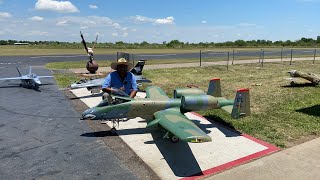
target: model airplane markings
30 80
162 112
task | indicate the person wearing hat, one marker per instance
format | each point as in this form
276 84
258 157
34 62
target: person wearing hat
121 79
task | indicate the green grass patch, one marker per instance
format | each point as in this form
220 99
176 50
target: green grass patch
64 80
75 64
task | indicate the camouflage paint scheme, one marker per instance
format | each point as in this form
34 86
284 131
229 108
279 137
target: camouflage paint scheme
166 113
95 85
294 74
30 80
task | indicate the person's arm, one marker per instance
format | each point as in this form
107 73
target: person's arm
133 94
134 87
106 84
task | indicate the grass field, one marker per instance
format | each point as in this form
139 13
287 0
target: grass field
7 50
281 115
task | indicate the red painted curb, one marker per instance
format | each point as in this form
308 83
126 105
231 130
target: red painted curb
270 148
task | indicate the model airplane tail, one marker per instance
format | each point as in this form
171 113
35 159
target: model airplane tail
241 104
137 70
18 71
30 70
214 88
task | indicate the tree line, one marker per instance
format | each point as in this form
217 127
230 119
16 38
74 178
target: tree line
303 42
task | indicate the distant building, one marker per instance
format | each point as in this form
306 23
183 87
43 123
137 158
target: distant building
21 44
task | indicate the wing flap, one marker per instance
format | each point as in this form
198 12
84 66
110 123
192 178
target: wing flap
179 125
155 92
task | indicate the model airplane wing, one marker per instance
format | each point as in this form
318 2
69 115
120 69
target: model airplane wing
154 92
14 78
87 84
180 126
44 76
141 79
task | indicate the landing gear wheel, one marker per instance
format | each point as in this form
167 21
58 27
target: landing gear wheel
292 83
113 130
174 139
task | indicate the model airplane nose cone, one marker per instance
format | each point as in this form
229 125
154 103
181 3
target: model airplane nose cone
88 117
88 114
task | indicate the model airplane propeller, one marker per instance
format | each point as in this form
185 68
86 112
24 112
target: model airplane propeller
162 112
92 65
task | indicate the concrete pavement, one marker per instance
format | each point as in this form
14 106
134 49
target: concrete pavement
299 162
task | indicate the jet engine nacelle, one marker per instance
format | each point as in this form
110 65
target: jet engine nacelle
198 102
178 93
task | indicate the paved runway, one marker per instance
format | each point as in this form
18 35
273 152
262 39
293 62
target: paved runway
40 136
40 60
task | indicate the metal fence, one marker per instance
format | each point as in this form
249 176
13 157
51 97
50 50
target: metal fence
229 57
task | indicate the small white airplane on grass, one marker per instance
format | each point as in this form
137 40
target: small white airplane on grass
30 80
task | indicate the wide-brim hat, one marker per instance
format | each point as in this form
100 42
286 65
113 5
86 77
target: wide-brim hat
121 61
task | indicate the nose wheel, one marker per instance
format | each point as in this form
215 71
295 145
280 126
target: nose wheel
174 139
113 130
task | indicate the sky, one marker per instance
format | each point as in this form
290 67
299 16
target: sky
153 21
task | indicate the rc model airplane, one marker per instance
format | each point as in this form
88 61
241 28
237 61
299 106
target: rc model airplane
295 75
95 85
162 112
30 80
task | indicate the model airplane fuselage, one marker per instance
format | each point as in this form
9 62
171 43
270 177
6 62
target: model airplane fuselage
30 80
294 74
168 113
95 85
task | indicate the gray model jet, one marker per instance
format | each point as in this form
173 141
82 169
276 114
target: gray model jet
30 80
295 75
94 85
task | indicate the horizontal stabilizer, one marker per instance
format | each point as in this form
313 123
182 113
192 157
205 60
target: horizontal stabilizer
155 92
180 126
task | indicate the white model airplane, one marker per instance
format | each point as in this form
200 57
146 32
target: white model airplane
30 80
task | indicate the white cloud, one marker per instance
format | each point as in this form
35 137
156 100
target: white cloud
116 25
125 34
5 15
203 22
63 23
142 19
93 6
56 6
36 18
114 34
167 20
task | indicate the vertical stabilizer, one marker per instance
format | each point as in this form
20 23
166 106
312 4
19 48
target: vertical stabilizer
30 70
137 70
18 71
214 88
241 106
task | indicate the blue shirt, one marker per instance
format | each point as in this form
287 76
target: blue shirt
113 80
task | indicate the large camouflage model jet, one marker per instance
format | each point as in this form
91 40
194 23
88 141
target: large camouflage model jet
295 75
30 80
162 112
95 85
